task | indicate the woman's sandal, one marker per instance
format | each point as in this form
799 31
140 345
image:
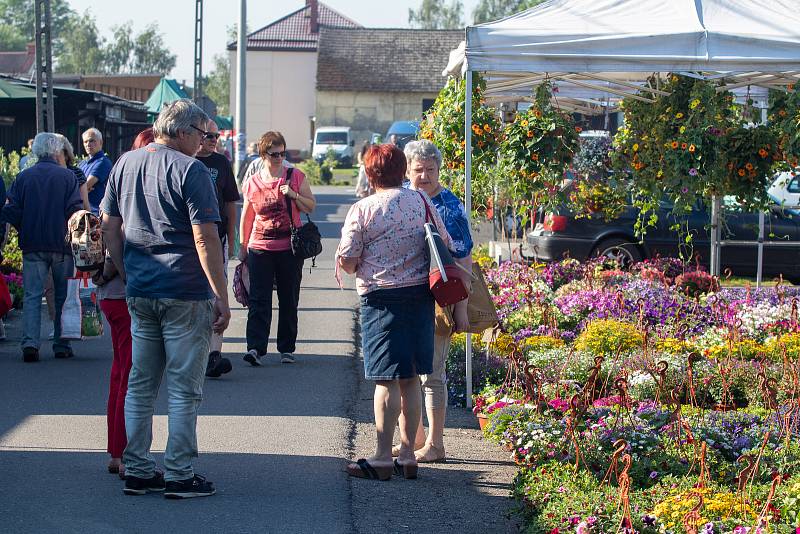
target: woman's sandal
396 450
363 469
405 470
434 455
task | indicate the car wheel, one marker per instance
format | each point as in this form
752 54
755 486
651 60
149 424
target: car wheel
614 248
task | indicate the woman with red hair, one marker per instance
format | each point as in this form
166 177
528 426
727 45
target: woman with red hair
111 292
383 244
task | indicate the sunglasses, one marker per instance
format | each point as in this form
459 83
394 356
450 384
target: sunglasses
276 154
202 132
211 136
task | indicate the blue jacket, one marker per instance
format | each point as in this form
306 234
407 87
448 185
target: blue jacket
40 201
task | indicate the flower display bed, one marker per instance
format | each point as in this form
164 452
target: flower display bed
643 401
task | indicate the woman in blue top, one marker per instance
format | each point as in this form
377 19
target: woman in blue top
424 162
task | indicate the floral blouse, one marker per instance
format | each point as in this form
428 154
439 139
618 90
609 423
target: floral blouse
385 232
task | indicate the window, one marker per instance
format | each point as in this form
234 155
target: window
794 185
331 138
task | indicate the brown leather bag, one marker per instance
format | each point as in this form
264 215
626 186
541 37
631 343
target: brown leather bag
480 308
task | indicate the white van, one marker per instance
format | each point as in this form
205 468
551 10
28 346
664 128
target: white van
338 138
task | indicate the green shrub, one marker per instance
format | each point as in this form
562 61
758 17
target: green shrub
311 169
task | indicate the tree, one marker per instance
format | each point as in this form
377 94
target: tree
20 15
11 38
117 53
218 83
81 47
489 10
435 15
150 54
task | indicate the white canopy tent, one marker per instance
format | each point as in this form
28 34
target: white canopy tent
596 52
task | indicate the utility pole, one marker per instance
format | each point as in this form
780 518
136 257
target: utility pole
241 83
45 112
198 51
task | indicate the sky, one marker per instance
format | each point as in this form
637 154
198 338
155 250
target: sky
175 19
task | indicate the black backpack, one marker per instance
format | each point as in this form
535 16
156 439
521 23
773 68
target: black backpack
306 240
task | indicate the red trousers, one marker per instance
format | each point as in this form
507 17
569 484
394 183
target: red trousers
116 312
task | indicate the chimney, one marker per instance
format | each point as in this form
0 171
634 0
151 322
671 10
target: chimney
314 14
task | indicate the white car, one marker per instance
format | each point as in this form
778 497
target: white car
785 190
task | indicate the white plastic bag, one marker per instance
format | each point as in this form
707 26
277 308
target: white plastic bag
71 312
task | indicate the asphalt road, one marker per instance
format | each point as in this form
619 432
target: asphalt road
272 439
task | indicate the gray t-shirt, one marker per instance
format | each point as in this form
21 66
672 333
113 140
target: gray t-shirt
160 193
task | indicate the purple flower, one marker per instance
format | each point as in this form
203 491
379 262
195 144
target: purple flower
654 475
692 172
649 520
684 190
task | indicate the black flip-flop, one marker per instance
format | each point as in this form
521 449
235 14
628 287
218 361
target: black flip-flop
405 470
368 471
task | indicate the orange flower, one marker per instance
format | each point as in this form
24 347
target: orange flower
749 166
674 144
578 129
741 172
683 146
487 128
782 113
537 113
535 157
530 133
790 87
763 153
692 148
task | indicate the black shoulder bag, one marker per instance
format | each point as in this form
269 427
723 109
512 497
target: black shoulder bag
306 240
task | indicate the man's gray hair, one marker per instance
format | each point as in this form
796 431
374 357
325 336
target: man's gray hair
47 145
96 132
422 150
177 117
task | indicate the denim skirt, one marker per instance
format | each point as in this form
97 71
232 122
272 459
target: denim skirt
397 332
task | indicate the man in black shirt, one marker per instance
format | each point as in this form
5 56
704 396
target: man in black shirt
227 196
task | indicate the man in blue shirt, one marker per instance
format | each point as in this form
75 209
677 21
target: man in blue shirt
96 168
170 257
40 202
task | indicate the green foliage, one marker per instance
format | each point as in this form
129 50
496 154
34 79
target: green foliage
20 15
9 167
692 144
12 255
217 84
536 150
312 171
11 39
436 15
444 126
83 50
491 10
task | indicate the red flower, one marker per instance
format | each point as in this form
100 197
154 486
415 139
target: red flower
555 531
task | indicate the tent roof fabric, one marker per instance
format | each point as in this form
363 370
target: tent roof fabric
166 91
224 122
641 36
14 91
383 60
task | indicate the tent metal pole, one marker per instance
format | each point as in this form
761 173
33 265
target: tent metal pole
760 268
714 262
468 204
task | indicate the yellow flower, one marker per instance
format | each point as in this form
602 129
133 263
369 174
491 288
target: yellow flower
635 147
679 116
694 103
523 123
682 129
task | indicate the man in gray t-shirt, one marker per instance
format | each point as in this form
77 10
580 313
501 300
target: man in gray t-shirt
176 292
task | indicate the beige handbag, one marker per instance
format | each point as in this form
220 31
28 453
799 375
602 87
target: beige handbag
480 308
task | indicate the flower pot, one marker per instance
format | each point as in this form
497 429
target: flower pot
483 420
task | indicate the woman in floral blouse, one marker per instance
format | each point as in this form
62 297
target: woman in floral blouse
383 243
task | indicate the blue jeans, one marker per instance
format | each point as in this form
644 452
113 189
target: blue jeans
35 266
171 335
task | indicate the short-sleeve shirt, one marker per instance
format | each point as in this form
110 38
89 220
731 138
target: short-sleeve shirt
225 184
160 193
271 229
99 166
385 232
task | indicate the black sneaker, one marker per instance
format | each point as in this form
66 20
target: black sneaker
140 486
196 486
253 358
30 354
287 357
217 365
64 354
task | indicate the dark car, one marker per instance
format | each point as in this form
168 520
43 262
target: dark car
563 234
405 131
